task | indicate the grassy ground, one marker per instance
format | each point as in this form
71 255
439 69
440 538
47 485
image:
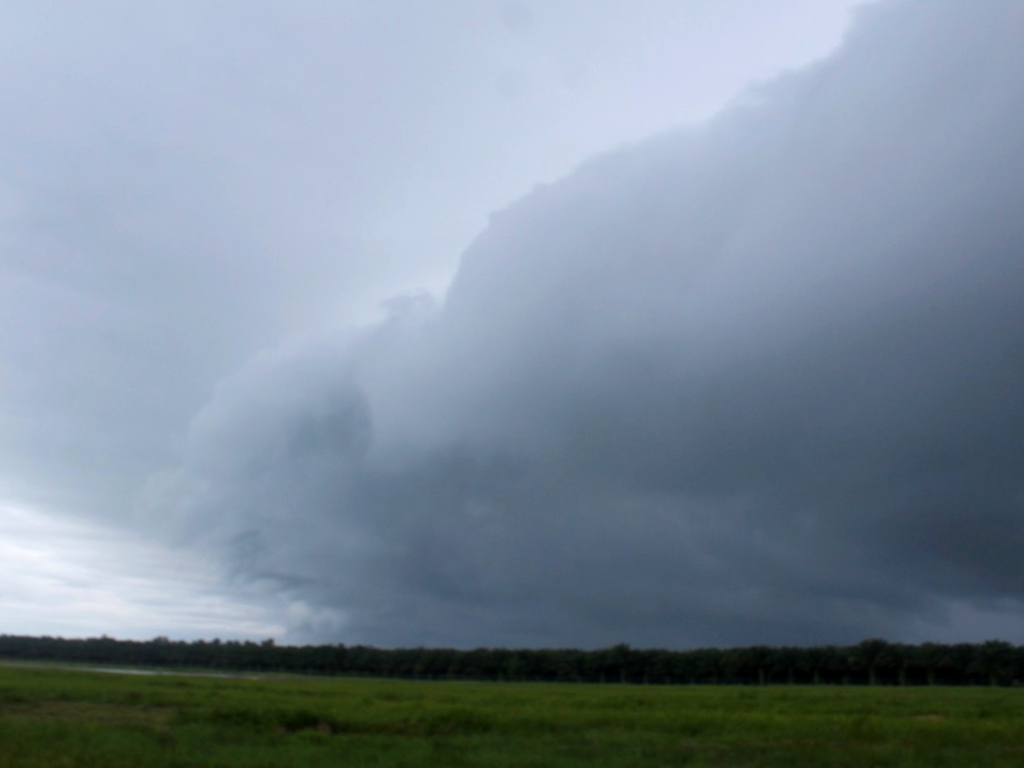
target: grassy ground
51 717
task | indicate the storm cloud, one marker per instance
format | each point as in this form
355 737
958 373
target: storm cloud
184 184
753 381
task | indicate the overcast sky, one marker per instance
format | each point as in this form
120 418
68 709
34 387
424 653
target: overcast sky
511 323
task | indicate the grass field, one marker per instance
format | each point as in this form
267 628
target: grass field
52 717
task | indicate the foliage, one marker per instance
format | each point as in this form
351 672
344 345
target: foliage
870 662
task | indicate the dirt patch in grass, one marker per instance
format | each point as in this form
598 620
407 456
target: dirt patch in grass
90 712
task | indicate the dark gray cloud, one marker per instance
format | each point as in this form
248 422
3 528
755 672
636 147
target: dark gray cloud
757 381
184 184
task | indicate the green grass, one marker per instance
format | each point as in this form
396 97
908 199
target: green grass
52 717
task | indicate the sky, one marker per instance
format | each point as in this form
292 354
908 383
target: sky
508 323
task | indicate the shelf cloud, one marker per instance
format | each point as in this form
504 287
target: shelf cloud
754 381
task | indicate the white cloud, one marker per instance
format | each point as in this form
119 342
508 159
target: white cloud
69 578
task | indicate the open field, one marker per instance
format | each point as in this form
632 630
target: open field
52 717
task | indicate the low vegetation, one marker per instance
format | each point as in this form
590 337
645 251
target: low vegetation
59 717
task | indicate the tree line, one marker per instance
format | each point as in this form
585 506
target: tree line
872 662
